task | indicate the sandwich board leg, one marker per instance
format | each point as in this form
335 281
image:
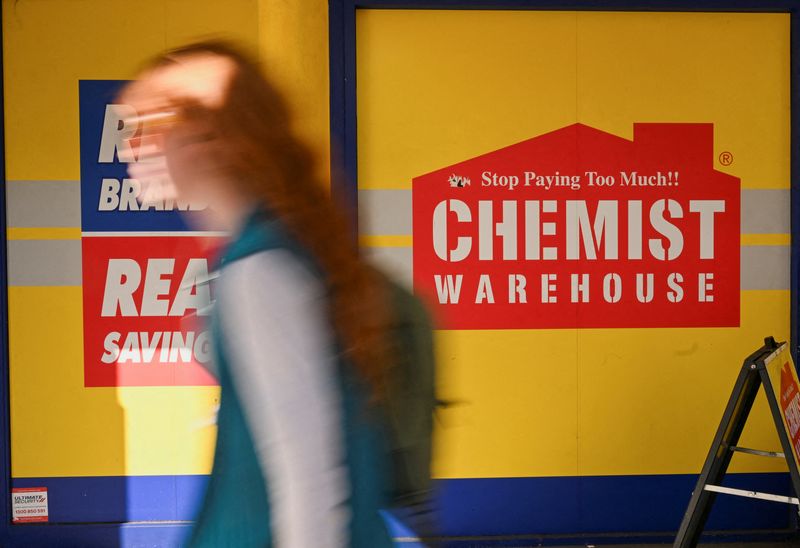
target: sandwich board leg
719 456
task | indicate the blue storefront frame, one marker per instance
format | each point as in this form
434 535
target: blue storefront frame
344 153
343 137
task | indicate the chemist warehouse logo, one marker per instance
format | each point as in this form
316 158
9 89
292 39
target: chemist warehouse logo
457 181
145 290
580 228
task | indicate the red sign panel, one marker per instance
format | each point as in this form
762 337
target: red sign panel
790 405
144 302
581 228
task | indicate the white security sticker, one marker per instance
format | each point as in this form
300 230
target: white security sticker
29 504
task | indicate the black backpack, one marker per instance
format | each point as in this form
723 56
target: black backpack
410 396
410 393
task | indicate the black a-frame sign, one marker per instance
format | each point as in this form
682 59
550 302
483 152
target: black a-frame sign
770 366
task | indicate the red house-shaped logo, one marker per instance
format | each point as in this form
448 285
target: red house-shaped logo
581 228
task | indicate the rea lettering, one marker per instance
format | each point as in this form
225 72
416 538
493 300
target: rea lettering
124 278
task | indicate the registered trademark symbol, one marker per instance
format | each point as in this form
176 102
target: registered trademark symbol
726 158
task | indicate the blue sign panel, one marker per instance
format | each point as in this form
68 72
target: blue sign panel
111 201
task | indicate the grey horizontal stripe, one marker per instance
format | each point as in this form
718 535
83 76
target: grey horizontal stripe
58 263
765 267
384 212
388 212
43 203
44 262
766 212
397 262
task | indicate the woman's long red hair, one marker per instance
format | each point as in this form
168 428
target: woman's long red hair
277 169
